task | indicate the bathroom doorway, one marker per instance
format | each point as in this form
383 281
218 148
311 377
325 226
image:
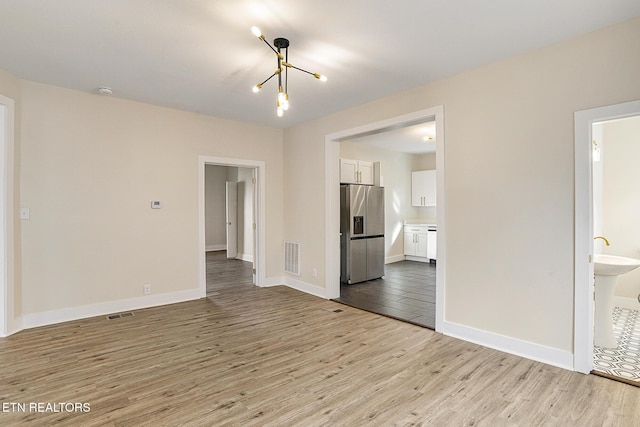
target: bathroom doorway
616 217
597 199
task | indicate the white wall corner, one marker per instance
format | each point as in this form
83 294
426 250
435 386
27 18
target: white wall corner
35 320
13 325
272 281
529 350
394 258
245 257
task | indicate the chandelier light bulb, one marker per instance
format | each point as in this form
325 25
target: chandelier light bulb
256 88
256 31
320 77
280 111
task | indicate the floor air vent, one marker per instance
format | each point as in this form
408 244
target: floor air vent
119 316
292 258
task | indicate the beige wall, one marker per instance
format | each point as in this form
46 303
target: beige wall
509 178
90 167
621 204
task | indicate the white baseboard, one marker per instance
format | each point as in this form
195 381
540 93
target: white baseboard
623 302
245 257
211 248
305 287
82 312
416 258
537 352
394 258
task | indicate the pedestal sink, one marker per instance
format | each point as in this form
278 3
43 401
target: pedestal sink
607 268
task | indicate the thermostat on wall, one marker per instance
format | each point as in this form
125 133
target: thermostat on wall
156 204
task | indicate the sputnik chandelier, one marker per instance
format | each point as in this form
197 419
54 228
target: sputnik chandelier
283 68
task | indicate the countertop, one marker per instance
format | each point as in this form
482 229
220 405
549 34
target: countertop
427 223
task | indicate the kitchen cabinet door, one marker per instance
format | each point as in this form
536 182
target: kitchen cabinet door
409 244
356 172
421 245
423 188
348 171
365 169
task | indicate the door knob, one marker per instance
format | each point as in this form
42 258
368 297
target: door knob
229 223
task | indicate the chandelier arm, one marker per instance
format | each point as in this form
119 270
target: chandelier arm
300 69
270 47
268 78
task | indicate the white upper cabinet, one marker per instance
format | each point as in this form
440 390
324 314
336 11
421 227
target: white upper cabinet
423 188
356 172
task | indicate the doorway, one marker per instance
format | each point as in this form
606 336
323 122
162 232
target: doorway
229 225
332 197
399 157
249 176
584 225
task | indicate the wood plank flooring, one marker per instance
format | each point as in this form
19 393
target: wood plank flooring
250 356
407 292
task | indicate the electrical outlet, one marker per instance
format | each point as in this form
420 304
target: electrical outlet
314 272
147 289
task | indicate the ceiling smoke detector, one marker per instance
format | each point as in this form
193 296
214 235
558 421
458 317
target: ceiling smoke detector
103 90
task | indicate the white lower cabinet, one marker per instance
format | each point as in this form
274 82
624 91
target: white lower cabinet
415 241
419 243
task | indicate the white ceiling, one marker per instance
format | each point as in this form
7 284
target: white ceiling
200 55
414 139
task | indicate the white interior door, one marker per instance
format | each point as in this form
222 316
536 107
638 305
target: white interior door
232 219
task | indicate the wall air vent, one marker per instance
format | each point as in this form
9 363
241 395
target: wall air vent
292 258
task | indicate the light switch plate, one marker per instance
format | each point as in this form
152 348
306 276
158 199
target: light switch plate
25 213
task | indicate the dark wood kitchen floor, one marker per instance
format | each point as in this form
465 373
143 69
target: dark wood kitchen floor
407 292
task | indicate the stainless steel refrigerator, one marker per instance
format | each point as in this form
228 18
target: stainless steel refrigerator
361 233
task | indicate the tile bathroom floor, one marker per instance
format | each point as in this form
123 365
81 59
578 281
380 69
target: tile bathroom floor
623 362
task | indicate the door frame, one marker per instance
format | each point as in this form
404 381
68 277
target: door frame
259 261
8 323
229 204
332 197
583 221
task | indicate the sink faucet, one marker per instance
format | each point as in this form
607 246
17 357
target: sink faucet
606 242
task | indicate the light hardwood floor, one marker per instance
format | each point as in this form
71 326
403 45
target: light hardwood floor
251 356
